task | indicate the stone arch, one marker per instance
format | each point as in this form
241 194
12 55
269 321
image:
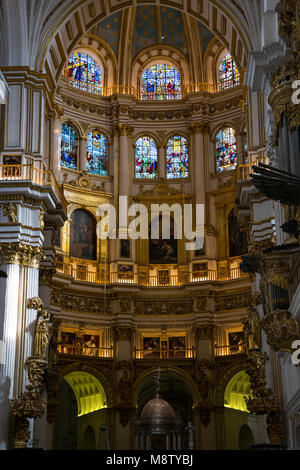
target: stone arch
63 33
228 373
188 380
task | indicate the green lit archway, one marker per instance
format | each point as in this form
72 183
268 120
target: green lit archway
89 392
237 389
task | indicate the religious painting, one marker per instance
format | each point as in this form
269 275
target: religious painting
68 343
83 235
177 346
151 347
200 270
125 272
238 237
91 345
236 342
163 251
125 248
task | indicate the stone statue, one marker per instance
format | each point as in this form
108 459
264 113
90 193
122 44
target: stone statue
252 330
41 338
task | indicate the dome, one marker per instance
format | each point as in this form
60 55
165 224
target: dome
157 410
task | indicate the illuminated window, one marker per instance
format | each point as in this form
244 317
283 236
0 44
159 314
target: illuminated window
245 145
96 154
84 73
226 149
177 158
161 82
229 75
69 146
145 158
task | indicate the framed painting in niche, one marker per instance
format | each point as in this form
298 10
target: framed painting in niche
236 342
151 346
68 341
83 235
125 248
177 346
91 345
163 251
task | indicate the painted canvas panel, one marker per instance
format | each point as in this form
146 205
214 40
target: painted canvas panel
163 251
83 236
125 248
238 237
68 341
236 342
151 346
177 346
90 345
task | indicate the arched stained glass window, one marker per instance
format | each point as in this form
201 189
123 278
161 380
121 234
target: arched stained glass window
226 149
161 82
145 158
84 73
229 75
69 146
96 153
177 158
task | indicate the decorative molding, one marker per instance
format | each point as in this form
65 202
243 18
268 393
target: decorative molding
22 254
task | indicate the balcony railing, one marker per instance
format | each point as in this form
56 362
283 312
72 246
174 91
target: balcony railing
164 353
144 279
81 350
30 172
221 351
244 171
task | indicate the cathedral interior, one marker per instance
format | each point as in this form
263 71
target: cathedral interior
138 342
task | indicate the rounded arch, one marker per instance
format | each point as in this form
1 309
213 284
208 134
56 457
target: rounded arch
246 438
83 239
188 380
85 70
85 16
229 74
228 373
96 374
236 390
216 129
147 133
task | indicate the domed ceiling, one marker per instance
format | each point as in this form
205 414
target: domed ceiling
153 25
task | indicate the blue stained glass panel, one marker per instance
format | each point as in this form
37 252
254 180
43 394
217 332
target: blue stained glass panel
226 150
84 73
229 75
69 146
96 153
145 158
177 158
161 82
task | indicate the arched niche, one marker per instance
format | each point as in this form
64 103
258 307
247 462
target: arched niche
83 239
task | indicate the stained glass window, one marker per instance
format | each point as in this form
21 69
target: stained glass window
226 149
145 158
229 75
84 73
69 146
245 142
161 82
177 158
96 153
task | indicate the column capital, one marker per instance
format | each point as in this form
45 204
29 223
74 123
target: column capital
201 127
19 253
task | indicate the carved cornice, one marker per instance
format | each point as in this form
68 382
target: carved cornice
80 303
22 254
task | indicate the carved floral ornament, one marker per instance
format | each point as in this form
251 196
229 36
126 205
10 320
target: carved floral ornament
281 330
11 211
22 254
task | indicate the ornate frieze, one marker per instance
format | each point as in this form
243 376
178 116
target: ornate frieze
80 303
83 181
22 254
163 307
231 302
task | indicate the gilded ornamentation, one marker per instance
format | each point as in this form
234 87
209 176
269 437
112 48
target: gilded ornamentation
41 339
42 222
20 253
167 307
275 427
252 330
80 303
201 304
123 333
281 330
11 211
125 305
83 181
231 302
288 19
